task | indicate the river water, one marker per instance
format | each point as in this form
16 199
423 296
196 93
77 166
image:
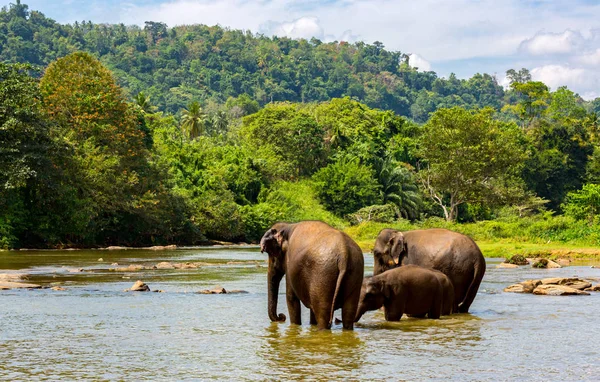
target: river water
94 330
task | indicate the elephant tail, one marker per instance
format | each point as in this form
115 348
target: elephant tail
338 286
479 271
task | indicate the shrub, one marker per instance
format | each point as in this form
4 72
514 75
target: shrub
386 213
346 186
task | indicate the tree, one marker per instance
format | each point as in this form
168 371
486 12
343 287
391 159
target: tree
346 186
107 165
398 187
520 77
467 156
287 137
584 204
534 98
142 101
193 120
219 123
24 137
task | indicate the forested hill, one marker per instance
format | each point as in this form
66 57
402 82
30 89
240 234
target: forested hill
197 62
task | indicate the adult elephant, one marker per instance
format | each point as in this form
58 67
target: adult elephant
324 270
451 253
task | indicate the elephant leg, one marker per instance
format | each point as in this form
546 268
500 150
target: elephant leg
313 320
322 313
394 312
293 304
436 311
349 309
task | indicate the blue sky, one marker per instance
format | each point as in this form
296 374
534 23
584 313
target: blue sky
558 40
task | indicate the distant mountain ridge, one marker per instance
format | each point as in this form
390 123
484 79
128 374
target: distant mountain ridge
197 62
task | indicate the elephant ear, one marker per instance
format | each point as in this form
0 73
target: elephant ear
397 246
270 242
374 287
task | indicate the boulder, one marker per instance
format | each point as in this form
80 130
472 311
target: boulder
13 276
516 288
131 268
100 259
186 266
165 265
216 290
115 248
139 286
4 285
563 262
545 263
507 266
557 290
523 287
573 282
162 247
517 259
59 288
595 288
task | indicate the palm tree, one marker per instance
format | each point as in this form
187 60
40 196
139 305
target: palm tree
193 120
398 187
143 102
219 122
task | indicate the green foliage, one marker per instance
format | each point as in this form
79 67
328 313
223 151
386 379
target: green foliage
346 186
560 153
193 120
380 213
517 260
470 157
176 65
584 204
398 187
287 138
81 166
24 140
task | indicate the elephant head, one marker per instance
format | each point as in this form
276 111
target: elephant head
390 249
371 296
274 242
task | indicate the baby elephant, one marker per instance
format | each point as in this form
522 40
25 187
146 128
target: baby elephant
410 289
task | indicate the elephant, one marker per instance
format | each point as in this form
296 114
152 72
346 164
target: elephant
323 269
454 254
411 289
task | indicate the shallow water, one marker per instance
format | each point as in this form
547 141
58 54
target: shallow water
96 331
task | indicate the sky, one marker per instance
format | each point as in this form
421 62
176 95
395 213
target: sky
557 40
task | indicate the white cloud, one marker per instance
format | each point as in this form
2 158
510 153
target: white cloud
553 43
419 62
591 58
304 27
583 81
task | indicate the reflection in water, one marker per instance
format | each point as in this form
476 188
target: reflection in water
294 351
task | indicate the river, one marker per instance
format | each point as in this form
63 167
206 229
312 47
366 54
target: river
94 330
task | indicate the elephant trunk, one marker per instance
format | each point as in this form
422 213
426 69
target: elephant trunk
274 280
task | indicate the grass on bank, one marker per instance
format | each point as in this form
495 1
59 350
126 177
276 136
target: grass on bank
536 236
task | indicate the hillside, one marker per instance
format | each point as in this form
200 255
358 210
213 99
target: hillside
210 63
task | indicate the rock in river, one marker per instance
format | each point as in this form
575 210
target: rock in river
573 282
507 265
523 287
13 285
557 290
139 286
216 290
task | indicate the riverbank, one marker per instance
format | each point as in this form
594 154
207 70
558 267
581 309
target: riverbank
546 237
537 236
